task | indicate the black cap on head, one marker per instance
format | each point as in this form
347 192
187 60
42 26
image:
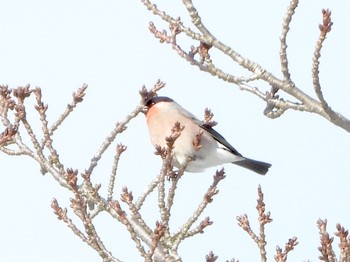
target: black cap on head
154 100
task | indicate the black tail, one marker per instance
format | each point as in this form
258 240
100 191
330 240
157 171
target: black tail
256 166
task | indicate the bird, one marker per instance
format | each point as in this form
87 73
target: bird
163 112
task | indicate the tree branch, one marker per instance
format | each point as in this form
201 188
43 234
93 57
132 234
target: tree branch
275 106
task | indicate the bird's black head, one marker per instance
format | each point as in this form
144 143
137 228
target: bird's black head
156 99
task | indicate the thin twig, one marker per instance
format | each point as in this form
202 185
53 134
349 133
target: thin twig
283 39
42 108
146 193
264 218
326 249
344 244
208 198
120 149
77 98
281 255
325 28
127 197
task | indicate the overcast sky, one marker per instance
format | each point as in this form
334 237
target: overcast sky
59 45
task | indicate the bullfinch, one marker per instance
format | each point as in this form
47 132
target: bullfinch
162 114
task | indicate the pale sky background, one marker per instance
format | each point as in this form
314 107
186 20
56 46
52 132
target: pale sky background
59 45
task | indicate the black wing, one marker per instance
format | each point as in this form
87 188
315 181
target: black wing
219 138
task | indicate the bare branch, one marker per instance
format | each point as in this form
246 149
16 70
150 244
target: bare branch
137 233
200 228
42 108
264 218
120 149
146 193
77 98
326 249
207 198
244 223
167 171
325 28
207 40
158 233
344 244
283 39
281 255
